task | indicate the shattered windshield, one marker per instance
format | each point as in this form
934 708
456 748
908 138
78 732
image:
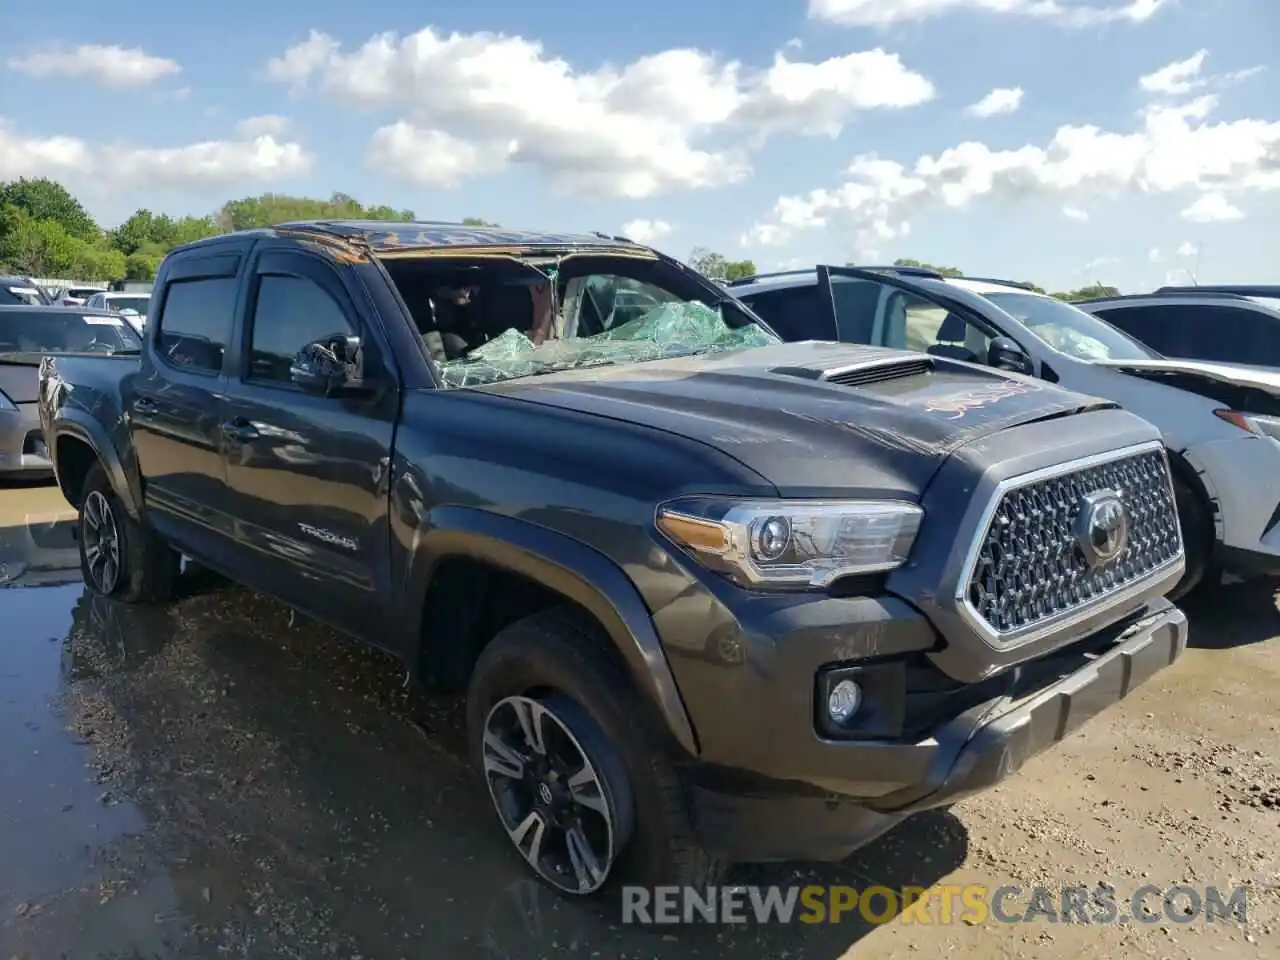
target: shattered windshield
638 327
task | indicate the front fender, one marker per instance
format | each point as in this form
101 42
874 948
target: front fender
570 568
73 422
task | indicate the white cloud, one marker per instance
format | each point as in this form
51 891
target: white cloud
1212 208
998 101
111 66
211 165
1188 249
1075 213
268 124
663 122
1069 13
1154 255
433 158
1183 76
1174 149
646 231
1098 263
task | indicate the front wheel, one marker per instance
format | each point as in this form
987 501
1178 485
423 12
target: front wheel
573 763
119 558
1196 522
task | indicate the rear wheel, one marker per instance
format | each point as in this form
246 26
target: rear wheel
576 772
1197 537
119 558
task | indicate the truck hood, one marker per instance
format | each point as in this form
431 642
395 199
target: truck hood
812 418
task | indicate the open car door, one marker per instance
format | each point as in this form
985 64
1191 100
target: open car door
891 310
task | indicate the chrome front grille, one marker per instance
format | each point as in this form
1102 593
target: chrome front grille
1032 566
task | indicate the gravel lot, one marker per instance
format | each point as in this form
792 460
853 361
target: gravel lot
209 780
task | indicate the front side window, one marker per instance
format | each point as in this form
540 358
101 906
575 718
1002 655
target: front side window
290 313
64 331
1068 329
195 322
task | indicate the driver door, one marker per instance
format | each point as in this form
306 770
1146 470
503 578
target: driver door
308 474
887 311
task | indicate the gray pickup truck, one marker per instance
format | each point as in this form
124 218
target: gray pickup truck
712 597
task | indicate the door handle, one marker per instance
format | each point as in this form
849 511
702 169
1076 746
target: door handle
145 405
241 431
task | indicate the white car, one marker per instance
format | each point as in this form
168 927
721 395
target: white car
132 306
1221 422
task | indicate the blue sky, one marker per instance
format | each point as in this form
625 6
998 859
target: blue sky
871 153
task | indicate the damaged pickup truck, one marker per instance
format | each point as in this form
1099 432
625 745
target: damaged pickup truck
712 597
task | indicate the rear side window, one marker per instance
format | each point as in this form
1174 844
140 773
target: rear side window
1228 334
796 314
195 323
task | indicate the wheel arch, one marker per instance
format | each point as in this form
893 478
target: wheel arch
78 443
462 553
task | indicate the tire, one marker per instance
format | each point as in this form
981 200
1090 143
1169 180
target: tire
119 558
1197 538
564 664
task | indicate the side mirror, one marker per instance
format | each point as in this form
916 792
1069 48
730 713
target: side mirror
329 366
1005 354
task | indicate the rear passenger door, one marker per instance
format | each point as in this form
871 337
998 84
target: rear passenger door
174 405
309 474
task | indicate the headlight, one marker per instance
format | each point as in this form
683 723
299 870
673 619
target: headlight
5 403
1261 424
792 543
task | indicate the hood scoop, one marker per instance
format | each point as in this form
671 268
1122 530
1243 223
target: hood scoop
864 374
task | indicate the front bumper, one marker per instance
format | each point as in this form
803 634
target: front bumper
22 449
963 756
1242 476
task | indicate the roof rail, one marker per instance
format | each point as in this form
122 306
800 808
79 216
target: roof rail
1168 292
761 276
1020 284
1237 289
905 271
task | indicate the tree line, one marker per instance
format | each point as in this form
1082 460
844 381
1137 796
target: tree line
46 232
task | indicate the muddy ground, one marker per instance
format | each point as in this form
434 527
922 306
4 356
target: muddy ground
209 780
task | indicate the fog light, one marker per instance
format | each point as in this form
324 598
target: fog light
843 701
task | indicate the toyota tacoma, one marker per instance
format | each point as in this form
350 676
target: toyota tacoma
713 597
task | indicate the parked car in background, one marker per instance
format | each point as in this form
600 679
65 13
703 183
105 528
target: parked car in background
28 333
1221 424
22 291
1221 324
74 296
713 597
132 306
130 286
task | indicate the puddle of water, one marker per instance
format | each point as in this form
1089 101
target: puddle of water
52 812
